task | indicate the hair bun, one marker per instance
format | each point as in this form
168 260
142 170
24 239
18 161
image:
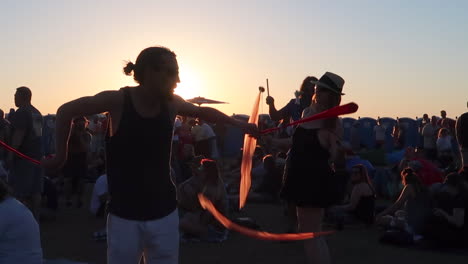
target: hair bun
129 68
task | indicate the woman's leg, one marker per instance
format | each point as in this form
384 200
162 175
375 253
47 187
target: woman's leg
310 220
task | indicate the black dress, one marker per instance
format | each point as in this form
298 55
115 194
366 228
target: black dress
309 180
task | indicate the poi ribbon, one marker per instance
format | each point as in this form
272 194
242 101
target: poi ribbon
208 205
247 152
7 147
332 112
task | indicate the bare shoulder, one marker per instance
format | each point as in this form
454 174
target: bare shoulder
178 101
114 97
106 101
183 107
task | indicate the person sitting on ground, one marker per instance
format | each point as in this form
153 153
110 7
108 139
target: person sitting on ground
197 222
446 226
412 209
427 171
20 240
98 204
361 204
270 186
353 159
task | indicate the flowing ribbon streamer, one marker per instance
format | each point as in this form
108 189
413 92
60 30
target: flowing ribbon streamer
3 144
248 150
208 205
332 112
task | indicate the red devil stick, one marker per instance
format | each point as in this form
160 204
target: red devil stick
332 112
3 144
208 205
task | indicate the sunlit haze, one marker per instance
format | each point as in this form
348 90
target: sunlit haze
399 58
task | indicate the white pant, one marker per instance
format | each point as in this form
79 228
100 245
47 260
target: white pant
127 240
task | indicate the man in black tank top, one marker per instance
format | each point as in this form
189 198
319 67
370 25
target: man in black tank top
142 205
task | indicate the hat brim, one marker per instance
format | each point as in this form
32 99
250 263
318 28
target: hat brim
324 85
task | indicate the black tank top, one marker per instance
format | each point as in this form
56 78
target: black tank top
138 165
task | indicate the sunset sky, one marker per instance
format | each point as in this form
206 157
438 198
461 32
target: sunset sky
399 58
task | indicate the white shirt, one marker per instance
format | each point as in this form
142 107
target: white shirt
20 240
100 188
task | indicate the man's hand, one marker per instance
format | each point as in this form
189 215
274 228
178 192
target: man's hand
270 100
250 129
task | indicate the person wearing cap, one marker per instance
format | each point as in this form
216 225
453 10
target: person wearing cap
315 160
293 109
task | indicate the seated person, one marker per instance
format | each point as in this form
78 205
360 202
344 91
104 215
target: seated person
353 159
20 240
412 209
98 204
99 197
427 172
362 200
195 222
446 226
270 185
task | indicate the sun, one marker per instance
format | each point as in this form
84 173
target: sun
190 83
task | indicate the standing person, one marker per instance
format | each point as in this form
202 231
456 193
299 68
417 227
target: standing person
142 206
76 167
355 137
314 157
462 138
424 121
399 134
5 128
429 132
26 178
379 132
293 109
446 122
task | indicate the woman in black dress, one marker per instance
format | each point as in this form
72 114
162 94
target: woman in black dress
315 160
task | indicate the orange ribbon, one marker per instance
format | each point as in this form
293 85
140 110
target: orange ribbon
248 150
208 205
